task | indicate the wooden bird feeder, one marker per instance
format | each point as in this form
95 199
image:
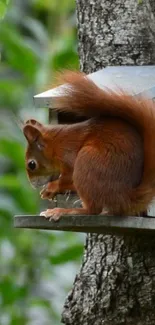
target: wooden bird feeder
136 80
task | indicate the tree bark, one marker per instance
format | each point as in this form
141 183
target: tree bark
116 282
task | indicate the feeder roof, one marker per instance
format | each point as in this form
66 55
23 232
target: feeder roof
136 80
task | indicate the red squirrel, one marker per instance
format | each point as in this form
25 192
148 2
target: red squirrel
108 159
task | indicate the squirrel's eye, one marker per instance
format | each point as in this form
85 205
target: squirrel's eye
32 164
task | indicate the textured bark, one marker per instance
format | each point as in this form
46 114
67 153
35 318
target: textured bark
119 32
116 282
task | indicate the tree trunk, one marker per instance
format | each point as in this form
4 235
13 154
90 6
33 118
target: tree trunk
116 282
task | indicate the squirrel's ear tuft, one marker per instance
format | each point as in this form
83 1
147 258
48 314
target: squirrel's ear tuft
31 133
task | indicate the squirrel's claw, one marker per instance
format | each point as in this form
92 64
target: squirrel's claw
53 214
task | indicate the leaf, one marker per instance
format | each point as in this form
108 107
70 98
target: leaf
9 182
2 9
19 55
65 59
37 29
15 292
66 5
14 151
66 255
11 90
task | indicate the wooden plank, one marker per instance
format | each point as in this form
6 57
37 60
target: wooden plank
93 224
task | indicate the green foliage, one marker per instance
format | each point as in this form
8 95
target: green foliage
37 267
3 7
74 252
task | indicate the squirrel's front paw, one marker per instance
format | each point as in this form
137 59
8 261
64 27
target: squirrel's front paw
47 194
53 214
50 191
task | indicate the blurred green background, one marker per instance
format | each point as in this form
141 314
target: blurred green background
37 268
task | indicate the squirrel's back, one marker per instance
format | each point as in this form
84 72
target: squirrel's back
122 144
84 98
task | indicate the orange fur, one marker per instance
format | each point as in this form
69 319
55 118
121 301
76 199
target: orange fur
108 159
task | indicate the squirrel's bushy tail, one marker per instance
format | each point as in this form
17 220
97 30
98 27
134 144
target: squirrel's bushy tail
84 98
